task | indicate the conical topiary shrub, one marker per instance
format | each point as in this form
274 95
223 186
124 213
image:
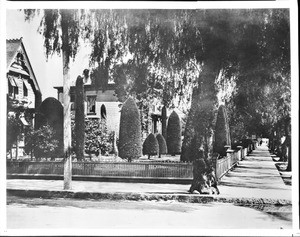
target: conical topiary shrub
37 117
51 113
174 134
222 133
79 119
150 146
164 122
162 145
130 145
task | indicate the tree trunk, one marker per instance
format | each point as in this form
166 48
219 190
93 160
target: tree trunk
288 143
197 142
66 103
289 158
67 127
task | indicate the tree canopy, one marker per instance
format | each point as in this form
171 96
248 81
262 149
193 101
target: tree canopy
187 58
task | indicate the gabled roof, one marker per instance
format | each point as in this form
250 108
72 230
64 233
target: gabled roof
13 46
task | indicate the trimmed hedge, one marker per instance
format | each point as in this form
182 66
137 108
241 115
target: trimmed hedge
130 145
222 133
38 102
162 145
164 122
174 134
150 146
51 112
79 119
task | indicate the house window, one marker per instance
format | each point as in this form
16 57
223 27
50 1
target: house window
72 96
25 92
11 85
91 104
20 59
10 89
103 112
16 90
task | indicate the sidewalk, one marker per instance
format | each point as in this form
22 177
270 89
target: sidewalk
255 180
256 176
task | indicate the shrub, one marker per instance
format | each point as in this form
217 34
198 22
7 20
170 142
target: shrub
162 144
150 146
222 133
51 113
79 133
42 142
13 130
174 134
130 146
98 140
38 102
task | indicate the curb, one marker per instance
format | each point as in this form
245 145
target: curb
103 178
186 198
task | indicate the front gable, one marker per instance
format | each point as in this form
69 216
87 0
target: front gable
18 61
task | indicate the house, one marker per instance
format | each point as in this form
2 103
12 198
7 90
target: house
103 104
22 88
99 103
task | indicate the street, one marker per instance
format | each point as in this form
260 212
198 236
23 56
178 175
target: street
38 213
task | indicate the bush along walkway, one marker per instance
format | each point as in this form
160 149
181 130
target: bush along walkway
254 181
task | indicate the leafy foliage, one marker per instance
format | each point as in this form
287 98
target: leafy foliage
222 133
13 130
262 90
98 140
174 134
130 146
51 113
162 145
42 142
150 146
14 127
136 49
38 102
169 53
79 134
164 122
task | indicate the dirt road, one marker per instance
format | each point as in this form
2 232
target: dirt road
69 213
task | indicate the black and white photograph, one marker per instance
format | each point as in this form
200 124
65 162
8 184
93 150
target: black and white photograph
150 118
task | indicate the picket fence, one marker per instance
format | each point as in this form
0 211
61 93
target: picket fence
125 169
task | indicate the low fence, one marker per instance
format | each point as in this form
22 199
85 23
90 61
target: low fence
109 169
233 157
124 169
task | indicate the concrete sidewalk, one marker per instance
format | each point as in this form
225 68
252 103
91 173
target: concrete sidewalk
255 176
254 180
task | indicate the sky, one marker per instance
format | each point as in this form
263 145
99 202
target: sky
48 72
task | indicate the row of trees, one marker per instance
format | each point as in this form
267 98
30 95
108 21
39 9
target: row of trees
173 52
130 141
